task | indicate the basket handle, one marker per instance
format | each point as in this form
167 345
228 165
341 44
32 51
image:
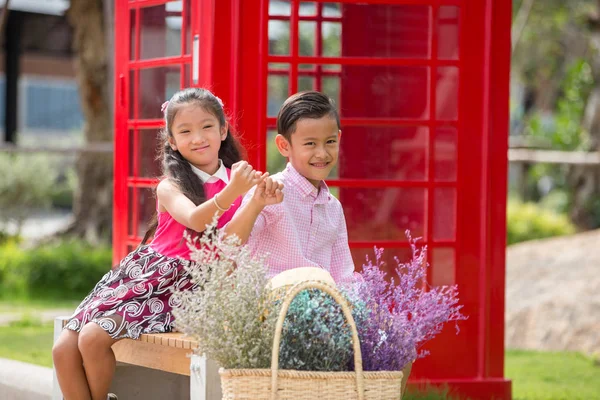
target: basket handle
339 299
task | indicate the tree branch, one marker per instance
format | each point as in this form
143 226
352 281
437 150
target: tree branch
5 11
520 22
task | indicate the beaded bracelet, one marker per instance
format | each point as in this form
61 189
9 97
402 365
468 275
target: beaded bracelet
218 206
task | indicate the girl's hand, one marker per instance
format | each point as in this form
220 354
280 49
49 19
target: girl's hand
268 192
244 177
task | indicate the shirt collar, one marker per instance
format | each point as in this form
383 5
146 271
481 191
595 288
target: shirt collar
306 188
221 174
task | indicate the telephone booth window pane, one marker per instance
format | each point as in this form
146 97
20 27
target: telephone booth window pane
280 8
383 214
401 92
132 34
359 256
444 214
332 10
397 153
331 33
132 92
148 146
156 86
331 87
390 265
448 33
275 161
401 30
279 38
306 83
131 152
279 67
130 214
332 67
146 209
443 270
160 30
188 28
307 9
447 94
307 40
187 75
445 154
276 94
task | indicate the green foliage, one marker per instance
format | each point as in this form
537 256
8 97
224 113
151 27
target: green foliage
544 44
63 192
528 221
566 132
13 276
65 270
26 184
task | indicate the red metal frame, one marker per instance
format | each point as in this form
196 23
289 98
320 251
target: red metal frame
235 63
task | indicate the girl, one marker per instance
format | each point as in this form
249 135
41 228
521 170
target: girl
203 175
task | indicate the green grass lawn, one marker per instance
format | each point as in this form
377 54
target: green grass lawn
27 340
31 306
552 376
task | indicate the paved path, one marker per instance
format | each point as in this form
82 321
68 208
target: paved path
23 381
43 223
553 294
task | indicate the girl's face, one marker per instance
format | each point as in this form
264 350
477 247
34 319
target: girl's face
197 135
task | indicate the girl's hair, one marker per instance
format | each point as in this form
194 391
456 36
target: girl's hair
176 168
310 104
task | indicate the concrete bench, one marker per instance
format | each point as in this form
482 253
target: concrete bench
158 366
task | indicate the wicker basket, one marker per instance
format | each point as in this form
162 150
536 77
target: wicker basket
265 384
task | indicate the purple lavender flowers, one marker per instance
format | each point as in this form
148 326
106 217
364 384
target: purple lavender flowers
400 316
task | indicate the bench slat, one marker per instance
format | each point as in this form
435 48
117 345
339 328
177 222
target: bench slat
153 355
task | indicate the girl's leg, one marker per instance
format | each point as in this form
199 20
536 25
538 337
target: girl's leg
98 359
69 366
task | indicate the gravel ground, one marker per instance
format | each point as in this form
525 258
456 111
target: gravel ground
553 294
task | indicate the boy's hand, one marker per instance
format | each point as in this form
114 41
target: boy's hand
268 192
244 177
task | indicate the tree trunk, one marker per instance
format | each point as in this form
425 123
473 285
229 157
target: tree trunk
585 180
93 200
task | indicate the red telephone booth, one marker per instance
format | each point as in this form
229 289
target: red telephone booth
422 89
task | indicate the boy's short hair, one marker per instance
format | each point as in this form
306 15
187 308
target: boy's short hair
309 104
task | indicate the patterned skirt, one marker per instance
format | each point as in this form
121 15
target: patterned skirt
136 297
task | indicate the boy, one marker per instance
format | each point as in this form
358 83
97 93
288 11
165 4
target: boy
307 228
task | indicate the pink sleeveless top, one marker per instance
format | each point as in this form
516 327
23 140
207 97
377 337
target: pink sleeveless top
168 238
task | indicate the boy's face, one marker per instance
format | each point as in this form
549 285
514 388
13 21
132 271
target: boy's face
314 147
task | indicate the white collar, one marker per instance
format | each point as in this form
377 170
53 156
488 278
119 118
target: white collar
206 178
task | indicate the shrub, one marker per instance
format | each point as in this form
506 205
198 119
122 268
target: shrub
66 270
63 192
26 183
13 277
528 221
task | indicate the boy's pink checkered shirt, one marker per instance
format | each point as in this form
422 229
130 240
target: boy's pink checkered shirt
307 229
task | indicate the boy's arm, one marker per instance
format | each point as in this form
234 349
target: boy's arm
342 265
